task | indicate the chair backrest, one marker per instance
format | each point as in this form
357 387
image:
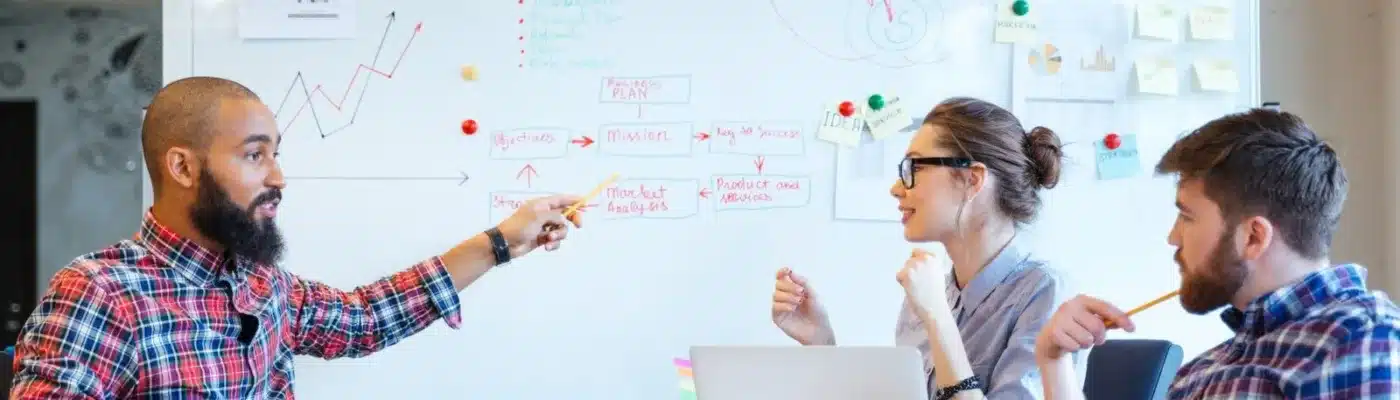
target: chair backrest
1131 370
7 365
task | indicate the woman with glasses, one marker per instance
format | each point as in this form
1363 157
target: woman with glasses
970 181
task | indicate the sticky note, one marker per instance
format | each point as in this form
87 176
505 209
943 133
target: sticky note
1012 28
1211 23
1122 162
469 73
1156 20
839 129
1216 76
887 121
1157 76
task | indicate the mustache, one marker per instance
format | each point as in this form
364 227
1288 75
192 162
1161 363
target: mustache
270 195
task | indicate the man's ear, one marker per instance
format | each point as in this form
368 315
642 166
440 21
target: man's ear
1256 234
182 166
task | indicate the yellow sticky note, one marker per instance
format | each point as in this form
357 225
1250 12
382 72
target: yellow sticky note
687 385
469 73
1157 76
1216 76
840 129
1156 20
1012 28
1211 23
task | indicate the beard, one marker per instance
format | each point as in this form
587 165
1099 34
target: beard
1220 279
218 218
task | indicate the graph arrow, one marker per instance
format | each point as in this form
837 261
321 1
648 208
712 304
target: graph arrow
462 180
307 104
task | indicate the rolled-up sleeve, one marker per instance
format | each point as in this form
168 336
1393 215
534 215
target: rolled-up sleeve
331 323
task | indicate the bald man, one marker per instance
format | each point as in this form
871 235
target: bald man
195 307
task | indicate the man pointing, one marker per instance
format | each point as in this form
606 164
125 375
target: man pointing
194 305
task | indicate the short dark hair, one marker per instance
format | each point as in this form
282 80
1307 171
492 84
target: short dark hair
1266 163
182 114
1023 162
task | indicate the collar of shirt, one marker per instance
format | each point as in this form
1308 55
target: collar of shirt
196 264
1293 302
1009 260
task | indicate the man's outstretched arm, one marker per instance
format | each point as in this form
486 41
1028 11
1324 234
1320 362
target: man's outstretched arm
331 323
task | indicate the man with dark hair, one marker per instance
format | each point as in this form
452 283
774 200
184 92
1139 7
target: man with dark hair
195 306
1258 198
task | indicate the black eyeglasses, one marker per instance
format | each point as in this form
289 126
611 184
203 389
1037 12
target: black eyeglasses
906 166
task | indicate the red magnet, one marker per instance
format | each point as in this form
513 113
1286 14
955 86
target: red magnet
469 127
847 109
1112 141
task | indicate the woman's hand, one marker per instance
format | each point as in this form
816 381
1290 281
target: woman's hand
923 278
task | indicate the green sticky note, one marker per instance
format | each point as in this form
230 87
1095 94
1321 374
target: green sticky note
1122 162
687 395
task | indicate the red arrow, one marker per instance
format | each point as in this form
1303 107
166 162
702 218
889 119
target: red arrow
758 163
529 173
702 136
705 193
583 142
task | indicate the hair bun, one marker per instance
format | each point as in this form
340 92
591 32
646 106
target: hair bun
1042 146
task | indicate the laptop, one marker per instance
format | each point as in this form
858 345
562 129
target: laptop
808 373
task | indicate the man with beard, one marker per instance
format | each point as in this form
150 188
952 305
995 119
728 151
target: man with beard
1259 197
194 306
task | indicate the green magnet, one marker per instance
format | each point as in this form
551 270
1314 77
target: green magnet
876 102
1021 7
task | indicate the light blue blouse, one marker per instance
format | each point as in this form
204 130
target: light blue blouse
999 314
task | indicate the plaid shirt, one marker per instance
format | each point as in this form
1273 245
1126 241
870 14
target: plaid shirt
1325 337
158 317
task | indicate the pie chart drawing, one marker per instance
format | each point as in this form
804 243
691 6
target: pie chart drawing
1045 60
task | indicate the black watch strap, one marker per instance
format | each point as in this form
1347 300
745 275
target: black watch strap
971 383
499 247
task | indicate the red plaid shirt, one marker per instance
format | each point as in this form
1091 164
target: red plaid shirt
158 317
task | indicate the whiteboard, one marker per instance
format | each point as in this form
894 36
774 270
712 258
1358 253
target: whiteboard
570 91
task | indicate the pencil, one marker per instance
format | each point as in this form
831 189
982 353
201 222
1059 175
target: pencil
574 208
1148 305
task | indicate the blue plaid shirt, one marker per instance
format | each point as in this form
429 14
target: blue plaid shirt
1324 337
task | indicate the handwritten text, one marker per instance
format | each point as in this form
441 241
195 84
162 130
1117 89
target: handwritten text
758 138
651 198
668 89
529 143
755 192
646 139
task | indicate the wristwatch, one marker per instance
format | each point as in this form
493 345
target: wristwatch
499 247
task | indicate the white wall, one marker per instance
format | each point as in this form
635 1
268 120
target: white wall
1327 61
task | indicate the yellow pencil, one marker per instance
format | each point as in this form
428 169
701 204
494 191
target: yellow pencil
1147 305
574 208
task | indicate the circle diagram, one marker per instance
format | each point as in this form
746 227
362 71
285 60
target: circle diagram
896 30
887 33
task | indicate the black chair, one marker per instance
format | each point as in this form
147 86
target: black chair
1131 370
7 364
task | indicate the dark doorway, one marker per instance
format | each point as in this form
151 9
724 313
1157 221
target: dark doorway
18 285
